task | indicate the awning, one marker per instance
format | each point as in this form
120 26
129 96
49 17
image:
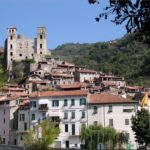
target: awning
54 114
43 101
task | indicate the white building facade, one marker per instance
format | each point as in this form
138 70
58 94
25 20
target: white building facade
114 111
69 108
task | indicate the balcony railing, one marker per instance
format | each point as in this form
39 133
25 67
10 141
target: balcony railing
43 108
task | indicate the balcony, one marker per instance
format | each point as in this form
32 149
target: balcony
43 107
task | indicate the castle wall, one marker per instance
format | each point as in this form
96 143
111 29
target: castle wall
19 48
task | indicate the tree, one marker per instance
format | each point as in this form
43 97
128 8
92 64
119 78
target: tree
95 134
134 13
141 126
49 132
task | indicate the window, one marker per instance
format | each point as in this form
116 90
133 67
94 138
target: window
73 115
20 55
7 102
25 126
127 136
33 104
4 120
4 111
11 46
82 101
95 122
41 36
73 129
55 103
11 53
110 108
65 102
65 115
11 37
22 117
83 114
95 110
26 57
40 52
66 127
3 140
40 45
33 117
111 122
21 138
72 102
126 121
4 131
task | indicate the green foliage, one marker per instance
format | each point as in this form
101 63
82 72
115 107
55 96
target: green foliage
141 126
49 133
95 134
125 57
20 69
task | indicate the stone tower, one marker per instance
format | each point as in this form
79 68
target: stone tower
41 47
11 46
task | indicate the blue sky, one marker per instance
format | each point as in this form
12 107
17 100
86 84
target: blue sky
66 21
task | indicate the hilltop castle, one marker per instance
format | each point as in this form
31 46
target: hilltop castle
19 48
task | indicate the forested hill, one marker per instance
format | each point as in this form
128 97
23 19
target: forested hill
126 56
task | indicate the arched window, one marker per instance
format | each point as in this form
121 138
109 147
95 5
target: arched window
41 36
11 46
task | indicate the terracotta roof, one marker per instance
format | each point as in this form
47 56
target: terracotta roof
86 71
11 85
132 87
61 75
74 85
59 93
19 94
106 98
8 98
14 89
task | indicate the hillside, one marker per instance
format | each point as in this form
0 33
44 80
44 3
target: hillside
126 56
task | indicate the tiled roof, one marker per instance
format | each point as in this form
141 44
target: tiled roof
86 71
14 89
74 85
106 98
8 98
61 75
19 94
58 93
132 87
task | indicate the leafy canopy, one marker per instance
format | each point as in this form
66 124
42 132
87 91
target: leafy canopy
49 133
141 126
134 13
95 134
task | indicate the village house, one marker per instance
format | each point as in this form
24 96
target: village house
112 110
110 80
9 119
82 75
68 108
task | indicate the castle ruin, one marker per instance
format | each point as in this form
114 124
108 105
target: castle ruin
19 48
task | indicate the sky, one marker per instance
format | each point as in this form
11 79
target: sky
66 21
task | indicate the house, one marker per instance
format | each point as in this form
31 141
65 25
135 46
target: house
23 122
112 110
82 75
8 116
68 108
